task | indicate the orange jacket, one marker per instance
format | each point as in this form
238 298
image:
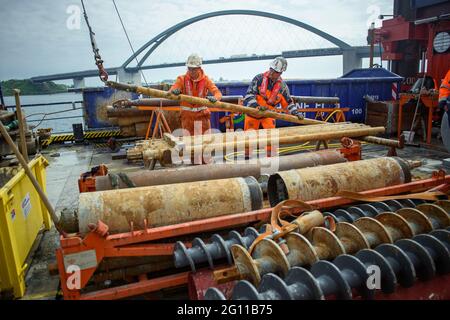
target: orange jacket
254 98
203 83
444 91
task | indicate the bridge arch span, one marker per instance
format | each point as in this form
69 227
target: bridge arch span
156 41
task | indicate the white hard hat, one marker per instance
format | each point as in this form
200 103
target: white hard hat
194 61
279 64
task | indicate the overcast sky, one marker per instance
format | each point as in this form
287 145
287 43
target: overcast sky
42 37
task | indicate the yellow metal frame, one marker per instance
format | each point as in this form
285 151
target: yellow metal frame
22 217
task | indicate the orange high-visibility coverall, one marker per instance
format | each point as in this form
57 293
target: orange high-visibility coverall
191 113
256 97
444 90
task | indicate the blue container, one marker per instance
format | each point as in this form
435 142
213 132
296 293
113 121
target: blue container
95 101
350 88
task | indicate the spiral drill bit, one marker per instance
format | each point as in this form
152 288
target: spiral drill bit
402 263
371 210
364 233
219 248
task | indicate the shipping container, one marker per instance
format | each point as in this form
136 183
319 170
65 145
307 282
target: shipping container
378 83
95 101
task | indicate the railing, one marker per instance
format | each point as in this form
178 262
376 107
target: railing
45 114
44 104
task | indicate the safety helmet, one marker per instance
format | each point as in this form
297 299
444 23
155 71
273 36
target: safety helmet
194 61
279 64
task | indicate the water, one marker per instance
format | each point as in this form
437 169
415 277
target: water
37 113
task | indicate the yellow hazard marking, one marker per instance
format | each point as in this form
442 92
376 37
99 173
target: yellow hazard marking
87 135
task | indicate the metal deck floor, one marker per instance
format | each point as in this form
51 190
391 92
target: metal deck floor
62 189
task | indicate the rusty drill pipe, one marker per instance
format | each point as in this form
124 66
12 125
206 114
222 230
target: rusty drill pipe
264 133
245 143
223 171
325 181
205 102
219 105
168 204
156 102
400 144
294 130
206 149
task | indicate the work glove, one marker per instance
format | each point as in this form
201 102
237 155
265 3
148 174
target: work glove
211 99
298 114
175 91
261 108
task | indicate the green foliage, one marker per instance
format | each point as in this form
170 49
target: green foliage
27 87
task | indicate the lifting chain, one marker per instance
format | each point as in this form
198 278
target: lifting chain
98 60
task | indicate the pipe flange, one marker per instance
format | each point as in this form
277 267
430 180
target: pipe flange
256 194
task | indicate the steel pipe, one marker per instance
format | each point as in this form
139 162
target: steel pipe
325 181
220 105
224 171
164 205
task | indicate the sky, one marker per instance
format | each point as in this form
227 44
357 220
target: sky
50 36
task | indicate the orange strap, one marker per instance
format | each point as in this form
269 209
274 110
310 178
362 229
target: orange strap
285 208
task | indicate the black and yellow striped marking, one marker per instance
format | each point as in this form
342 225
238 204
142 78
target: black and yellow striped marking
87 135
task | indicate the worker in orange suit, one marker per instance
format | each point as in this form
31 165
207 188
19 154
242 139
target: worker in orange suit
268 91
195 83
444 95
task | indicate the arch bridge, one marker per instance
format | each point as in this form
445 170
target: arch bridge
352 56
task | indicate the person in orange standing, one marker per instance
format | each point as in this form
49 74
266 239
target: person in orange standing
195 83
444 95
268 91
